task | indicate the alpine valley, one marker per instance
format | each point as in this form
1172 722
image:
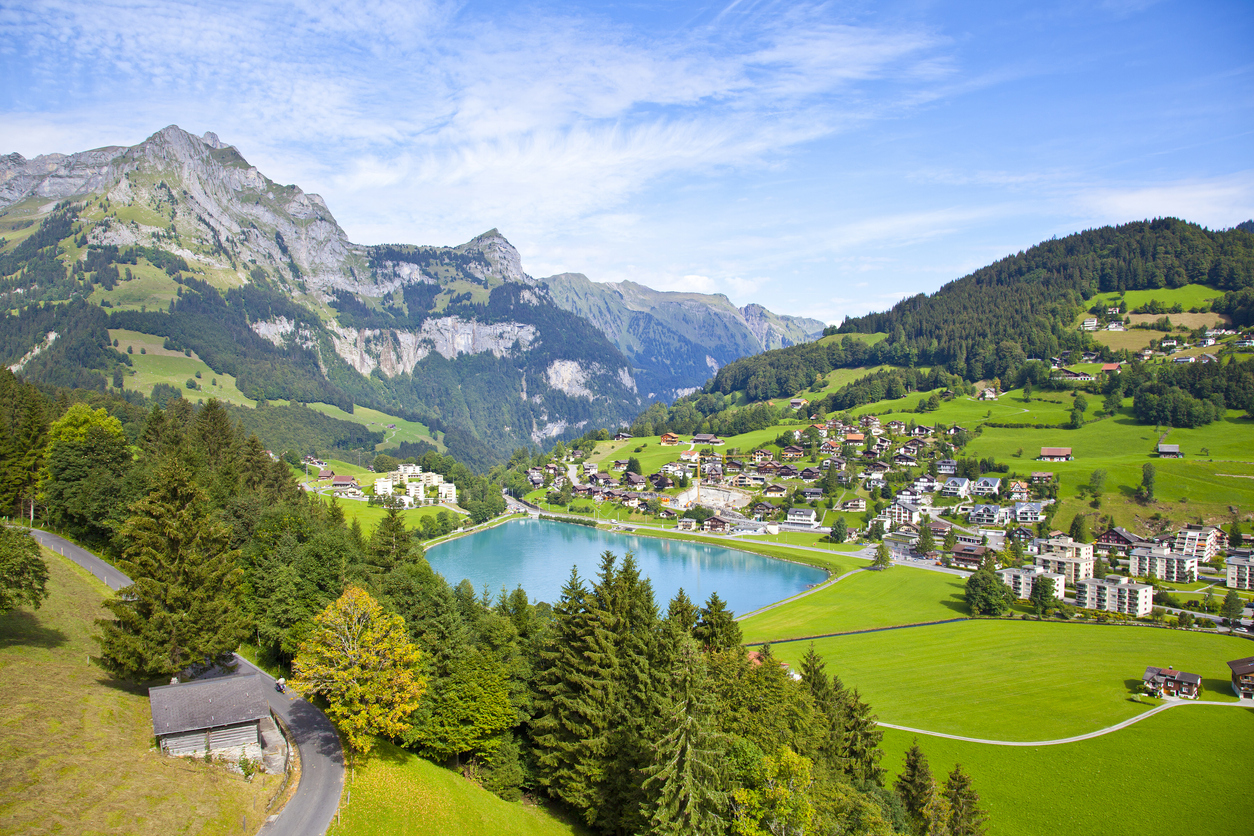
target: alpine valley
179 239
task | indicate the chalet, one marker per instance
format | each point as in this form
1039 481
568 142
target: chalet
689 456
955 429
913 447
707 439
768 467
343 482
914 497
1027 512
622 436
1040 478
988 515
855 438
666 514
926 484
760 456
764 509
669 440
958 486
882 445
618 464
791 453
1202 541
787 471
1116 540
603 479
633 480
797 403
686 524
821 429
221 717
661 482
812 494
829 447
326 474
717 525
988 394
835 461
1169 451
987 486
1089 324
970 557
734 465
1110 368
1072 377
802 516
775 490
1055 454
1243 677
896 427
1018 492
589 468
946 467
1167 682
857 505
922 432
810 474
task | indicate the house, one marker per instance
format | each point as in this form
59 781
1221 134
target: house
829 447
966 556
764 509
958 486
1018 492
1114 593
902 460
988 515
787 472
589 468
618 464
669 440
1184 359
1168 682
707 439
1089 324
326 474
343 482
1169 451
803 516
812 494
1055 454
986 486
1072 377
988 394
1240 571
775 490
922 431
383 486
926 484
760 456
221 717
1041 478
855 438
1243 677
1204 541
835 462
896 427
1065 556
686 524
857 505
946 467
913 497
768 467
633 480
693 456
1245 342
901 513
1022 580
810 474
622 436
791 453
1116 540
1162 563
717 525
797 403
734 465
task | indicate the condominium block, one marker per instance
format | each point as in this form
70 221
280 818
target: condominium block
1163 563
1115 593
1240 572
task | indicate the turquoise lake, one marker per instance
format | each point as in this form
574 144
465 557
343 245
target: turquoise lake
538 554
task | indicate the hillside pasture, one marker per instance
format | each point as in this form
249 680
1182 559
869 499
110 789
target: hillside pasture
152 364
1188 764
1189 296
1017 680
373 419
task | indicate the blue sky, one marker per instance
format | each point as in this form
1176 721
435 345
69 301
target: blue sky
820 159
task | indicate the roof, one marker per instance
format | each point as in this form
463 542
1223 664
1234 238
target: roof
207 704
1152 673
1055 451
1169 448
1241 667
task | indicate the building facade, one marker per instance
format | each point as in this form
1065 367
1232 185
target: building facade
1162 563
1115 593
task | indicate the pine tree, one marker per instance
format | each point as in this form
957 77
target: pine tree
682 613
184 606
571 731
916 787
927 541
882 558
392 543
717 629
685 781
860 748
831 703
965 816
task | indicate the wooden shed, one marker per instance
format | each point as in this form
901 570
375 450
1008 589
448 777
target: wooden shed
217 715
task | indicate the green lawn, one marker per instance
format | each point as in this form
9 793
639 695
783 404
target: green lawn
76 750
1190 764
372 418
1189 296
397 793
370 515
153 364
1016 680
901 595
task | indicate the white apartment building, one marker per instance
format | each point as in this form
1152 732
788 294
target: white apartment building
383 486
1022 580
447 492
1066 557
1162 563
1240 572
1204 541
1115 593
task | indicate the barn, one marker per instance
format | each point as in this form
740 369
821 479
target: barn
221 715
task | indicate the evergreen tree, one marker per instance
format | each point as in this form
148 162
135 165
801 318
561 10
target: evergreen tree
831 702
1042 597
571 729
840 530
916 787
951 540
392 543
1236 537
927 541
717 629
1080 528
860 745
184 606
685 781
1148 481
965 816
682 614
882 558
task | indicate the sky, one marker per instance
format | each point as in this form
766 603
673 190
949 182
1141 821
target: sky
821 159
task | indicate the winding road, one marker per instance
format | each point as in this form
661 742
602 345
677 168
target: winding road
312 807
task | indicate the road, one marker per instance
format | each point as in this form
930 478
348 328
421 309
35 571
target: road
317 797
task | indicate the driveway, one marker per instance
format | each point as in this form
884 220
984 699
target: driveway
317 797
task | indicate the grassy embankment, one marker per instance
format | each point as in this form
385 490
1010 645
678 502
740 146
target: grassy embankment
76 748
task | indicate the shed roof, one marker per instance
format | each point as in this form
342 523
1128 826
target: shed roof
207 703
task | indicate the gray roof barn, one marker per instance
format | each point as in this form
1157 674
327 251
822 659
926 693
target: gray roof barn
207 704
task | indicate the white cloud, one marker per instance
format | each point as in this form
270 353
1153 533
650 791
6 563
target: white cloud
1216 202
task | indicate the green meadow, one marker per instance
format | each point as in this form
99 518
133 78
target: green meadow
400 430
1189 764
1189 296
1016 680
151 364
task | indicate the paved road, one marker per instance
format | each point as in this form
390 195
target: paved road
311 809
1116 727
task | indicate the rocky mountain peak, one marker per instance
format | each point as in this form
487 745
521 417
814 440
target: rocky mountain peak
503 257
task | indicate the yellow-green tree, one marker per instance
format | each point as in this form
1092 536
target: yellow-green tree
360 659
780 803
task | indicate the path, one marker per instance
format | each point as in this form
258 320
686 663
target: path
317 796
1116 727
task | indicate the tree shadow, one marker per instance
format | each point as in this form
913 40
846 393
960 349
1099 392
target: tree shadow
957 603
22 628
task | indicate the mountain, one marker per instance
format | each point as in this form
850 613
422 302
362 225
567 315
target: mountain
676 340
179 236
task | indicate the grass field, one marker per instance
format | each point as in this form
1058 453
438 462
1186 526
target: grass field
397 793
1016 680
901 595
376 420
76 748
1189 764
160 365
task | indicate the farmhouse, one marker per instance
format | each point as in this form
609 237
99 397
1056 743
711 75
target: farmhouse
220 716
717 525
1169 451
1162 563
668 440
1243 677
1055 454
1166 682
1114 593
1116 539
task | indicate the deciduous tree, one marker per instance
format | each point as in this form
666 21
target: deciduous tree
360 659
987 594
23 573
